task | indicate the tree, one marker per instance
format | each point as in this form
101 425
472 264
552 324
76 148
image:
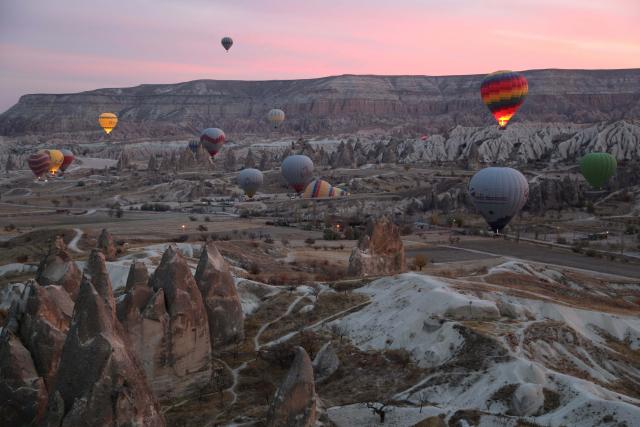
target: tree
420 261
380 409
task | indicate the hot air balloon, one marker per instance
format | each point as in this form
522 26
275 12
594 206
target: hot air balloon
503 92
424 137
193 146
250 180
108 122
319 188
39 163
212 139
499 194
297 170
597 168
227 42
68 159
57 158
275 117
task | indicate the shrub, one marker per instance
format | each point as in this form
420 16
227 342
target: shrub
420 261
22 258
561 241
182 238
193 218
268 240
285 242
203 227
330 234
310 240
80 184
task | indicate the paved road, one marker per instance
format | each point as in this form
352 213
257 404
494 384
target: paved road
487 248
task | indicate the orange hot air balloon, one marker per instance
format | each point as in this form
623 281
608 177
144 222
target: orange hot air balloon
503 92
108 122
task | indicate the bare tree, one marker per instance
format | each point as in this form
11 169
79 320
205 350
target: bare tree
379 409
339 331
423 398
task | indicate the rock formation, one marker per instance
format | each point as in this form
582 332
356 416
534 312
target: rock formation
326 363
249 161
527 400
96 272
106 245
167 326
123 161
226 320
379 252
152 166
294 404
99 383
23 394
58 268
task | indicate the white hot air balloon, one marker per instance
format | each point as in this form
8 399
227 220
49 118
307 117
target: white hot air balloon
297 170
498 193
250 180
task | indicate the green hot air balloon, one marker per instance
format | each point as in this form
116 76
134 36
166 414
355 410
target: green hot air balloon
597 168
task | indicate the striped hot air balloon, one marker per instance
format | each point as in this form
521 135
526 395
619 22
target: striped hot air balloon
276 117
318 189
498 193
39 163
212 139
503 92
68 159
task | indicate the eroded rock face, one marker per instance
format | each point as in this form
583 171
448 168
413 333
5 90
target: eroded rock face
23 394
58 268
294 404
44 326
106 245
326 363
527 399
99 383
173 339
224 311
379 252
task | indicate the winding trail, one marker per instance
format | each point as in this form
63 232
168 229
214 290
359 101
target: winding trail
256 339
73 244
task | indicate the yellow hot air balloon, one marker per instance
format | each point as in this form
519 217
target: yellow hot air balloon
56 157
108 121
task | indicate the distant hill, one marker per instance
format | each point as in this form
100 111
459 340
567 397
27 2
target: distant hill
327 105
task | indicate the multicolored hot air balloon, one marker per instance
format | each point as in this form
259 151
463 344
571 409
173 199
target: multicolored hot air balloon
39 163
68 159
226 42
57 158
297 170
250 180
275 117
108 122
193 146
597 168
318 189
212 140
503 92
498 193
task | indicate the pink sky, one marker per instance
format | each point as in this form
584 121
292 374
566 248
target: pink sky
73 45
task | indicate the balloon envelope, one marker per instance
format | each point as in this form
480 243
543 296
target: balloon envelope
68 159
319 188
212 140
503 92
275 117
297 170
57 158
250 180
226 42
39 163
499 194
108 122
597 168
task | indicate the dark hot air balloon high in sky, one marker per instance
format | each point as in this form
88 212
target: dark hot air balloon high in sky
108 121
498 193
597 168
250 180
226 42
275 117
503 92
39 163
68 159
297 170
212 139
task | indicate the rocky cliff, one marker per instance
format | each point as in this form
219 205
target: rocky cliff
326 105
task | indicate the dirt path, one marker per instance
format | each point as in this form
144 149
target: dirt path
73 244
